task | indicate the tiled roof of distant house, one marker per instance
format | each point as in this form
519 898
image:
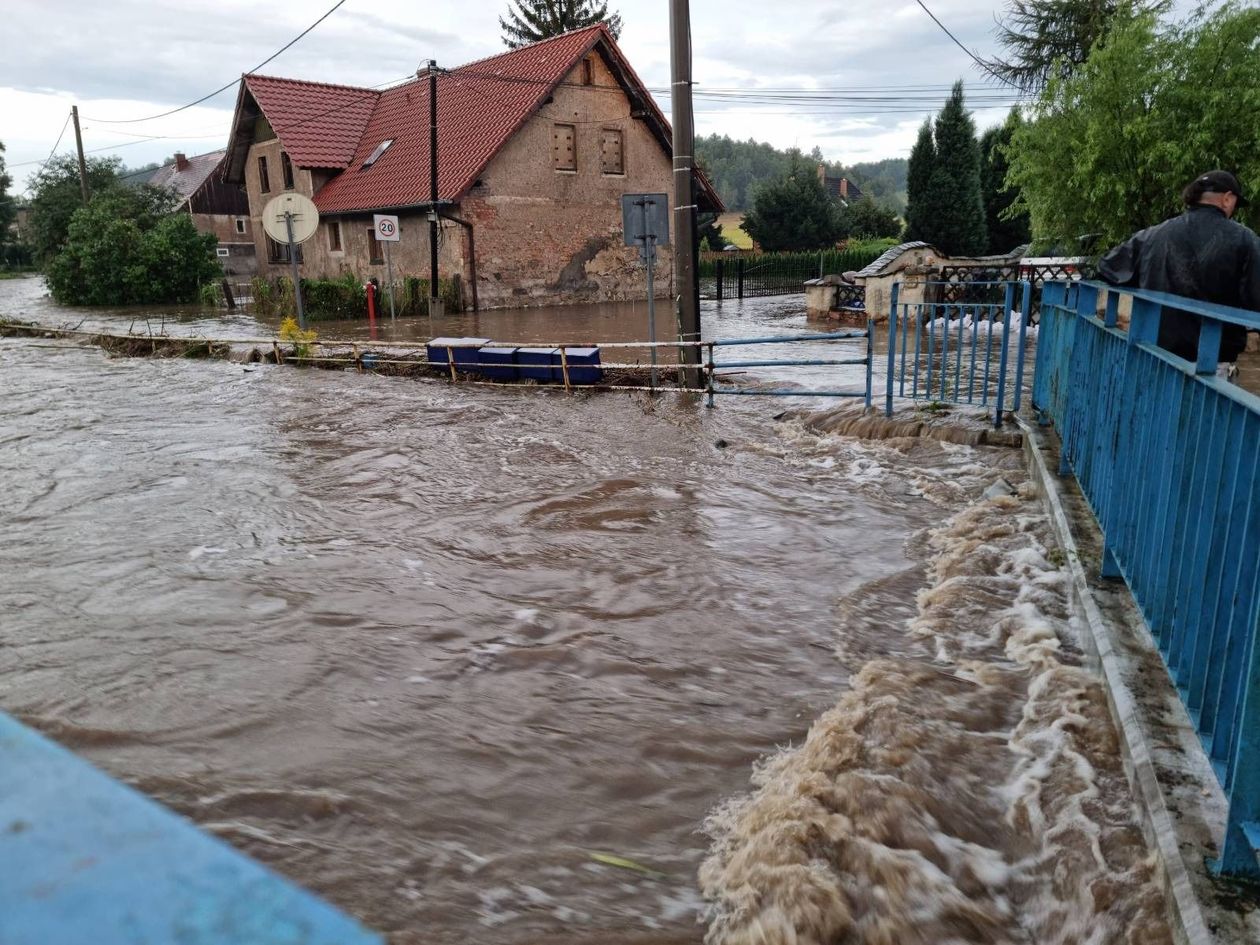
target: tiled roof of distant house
185 175
481 105
842 188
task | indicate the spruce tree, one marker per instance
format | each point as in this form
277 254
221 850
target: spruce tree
794 212
1047 39
1006 232
918 177
529 21
946 207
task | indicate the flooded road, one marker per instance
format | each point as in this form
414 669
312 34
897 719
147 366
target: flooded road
437 651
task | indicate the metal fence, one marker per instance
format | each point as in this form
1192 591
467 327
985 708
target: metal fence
970 284
1168 456
763 274
960 352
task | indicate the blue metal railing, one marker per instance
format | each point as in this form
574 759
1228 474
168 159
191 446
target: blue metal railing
944 351
1168 456
711 367
84 858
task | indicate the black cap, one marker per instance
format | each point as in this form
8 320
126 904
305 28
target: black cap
1221 182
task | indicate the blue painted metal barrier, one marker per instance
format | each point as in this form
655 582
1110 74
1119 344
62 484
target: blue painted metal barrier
85 859
1168 456
711 367
946 351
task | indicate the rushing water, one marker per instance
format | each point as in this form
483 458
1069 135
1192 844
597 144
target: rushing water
434 650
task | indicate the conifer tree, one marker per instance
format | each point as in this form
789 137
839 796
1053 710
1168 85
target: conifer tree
529 21
1052 38
794 212
1006 231
918 177
946 208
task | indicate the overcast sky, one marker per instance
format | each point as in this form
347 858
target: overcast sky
130 58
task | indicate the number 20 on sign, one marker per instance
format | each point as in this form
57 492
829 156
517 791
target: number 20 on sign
386 228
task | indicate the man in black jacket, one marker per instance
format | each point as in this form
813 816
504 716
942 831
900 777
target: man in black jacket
1201 254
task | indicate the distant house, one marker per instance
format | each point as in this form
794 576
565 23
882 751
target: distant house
217 207
840 188
536 147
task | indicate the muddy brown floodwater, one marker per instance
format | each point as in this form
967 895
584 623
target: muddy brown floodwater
430 649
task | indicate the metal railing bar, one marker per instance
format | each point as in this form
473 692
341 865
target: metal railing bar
747 364
787 392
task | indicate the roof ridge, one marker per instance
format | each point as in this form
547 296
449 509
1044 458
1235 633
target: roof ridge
326 85
542 42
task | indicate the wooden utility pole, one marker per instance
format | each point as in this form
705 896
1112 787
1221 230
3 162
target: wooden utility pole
78 140
433 188
686 287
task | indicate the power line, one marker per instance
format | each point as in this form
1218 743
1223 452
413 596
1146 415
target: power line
959 44
224 88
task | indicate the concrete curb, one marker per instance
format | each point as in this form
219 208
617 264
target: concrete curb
1164 835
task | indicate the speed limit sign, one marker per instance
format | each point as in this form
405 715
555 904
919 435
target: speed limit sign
386 228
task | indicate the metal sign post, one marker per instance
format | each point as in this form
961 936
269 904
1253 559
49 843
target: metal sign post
293 263
389 275
645 218
387 232
292 219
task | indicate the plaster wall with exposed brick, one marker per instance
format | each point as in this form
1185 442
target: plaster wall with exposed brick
550 235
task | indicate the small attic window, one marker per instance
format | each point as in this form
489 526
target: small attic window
380 149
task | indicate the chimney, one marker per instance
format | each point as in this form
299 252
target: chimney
844 188
822 174
181 162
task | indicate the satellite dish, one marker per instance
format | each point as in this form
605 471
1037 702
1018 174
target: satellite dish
301 210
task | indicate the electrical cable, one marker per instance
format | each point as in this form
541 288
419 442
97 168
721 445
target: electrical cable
224 88
959 44
42 163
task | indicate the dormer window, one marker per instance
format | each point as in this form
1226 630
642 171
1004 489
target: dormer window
380 149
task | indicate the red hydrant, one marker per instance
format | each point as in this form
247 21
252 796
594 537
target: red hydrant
370 289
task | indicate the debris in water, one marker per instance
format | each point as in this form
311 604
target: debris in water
621 862
999 489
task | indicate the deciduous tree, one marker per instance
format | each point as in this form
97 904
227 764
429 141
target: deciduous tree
869 218
127 248
8 206
56 195
529 21
1108 150
794 212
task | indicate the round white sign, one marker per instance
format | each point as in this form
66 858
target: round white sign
301 212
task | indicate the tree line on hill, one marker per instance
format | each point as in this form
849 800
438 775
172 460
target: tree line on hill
737 168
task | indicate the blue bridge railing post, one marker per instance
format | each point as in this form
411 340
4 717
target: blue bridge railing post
1168 458
892 349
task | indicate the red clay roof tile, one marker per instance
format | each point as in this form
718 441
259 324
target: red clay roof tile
319 124
480 106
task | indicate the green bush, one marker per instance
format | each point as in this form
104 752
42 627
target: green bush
334 299
127 248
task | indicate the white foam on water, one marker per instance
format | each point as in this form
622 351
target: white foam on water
975 797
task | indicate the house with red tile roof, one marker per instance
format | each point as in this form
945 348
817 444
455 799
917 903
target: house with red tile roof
535 148
216 207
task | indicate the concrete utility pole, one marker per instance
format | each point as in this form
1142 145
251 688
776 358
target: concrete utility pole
433 188
78 140
686 287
